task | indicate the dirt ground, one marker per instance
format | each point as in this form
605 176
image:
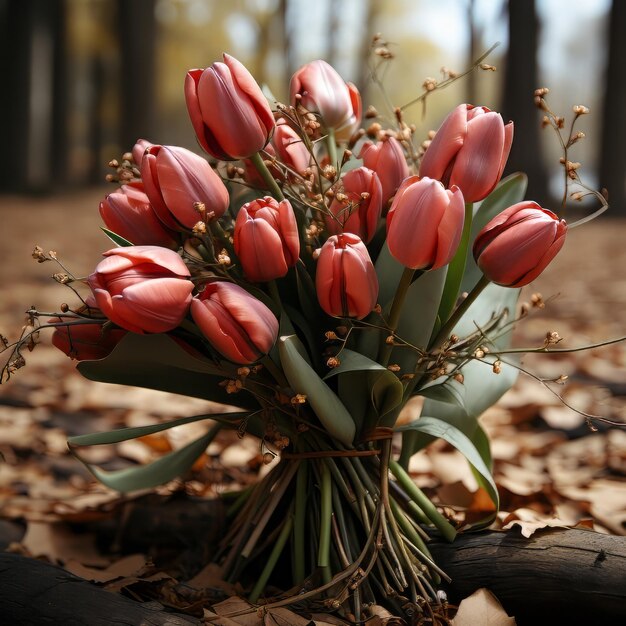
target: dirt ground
550 468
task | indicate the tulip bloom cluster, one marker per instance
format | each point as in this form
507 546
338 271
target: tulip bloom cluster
181 203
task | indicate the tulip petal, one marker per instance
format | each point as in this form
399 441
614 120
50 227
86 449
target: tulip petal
476 169
446 143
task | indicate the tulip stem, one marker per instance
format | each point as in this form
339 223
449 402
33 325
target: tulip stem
394 315
261 168
456 268
446 330
332 147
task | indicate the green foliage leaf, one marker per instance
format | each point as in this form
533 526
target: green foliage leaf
303 379
370 391
475 454
118 240
418 317
156 473
125 434
158 362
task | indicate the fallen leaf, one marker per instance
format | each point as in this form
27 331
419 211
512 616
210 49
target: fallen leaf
482 609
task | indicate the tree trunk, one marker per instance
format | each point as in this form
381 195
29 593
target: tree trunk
137 37
30 40
613 156
521 80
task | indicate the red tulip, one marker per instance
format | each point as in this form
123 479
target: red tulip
128 212
518 244
228 110
424 223
237 325
85 342
360 208
266 239
175 179
345 279
469 150
386 158
142 288
323 91
289 147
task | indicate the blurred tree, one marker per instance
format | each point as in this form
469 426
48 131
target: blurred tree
137 41
613 152
520 82
32 61
472 51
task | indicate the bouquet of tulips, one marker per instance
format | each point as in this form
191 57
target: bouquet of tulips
317 276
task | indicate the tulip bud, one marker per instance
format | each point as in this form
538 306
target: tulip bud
141 145
266 239
127 212
469 150
85 342
424 223
237 325
386 158
323 91
357 209
518 244
228 110
176 179
289 147
345 279
142 288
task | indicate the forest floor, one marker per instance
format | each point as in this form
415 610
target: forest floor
551 469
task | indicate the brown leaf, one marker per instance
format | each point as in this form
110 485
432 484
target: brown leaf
482 608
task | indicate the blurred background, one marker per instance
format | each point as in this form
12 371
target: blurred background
83 79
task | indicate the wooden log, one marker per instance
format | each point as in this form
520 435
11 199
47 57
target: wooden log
557 576
35 592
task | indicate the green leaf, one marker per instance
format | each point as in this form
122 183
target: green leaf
418 317
156 473
362 379
479 460
445 389
158 362
303 379
124 434
118 240
389 272
509 191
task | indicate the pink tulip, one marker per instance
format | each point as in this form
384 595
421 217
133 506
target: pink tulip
345 278
323 91
518 244
289 147
424 223
85 342
142 288
386 158
266 239
141 145
470 151
228 110
127 212
237 325
286 147
176 179
360 211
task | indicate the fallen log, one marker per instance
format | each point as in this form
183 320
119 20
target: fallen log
34 592
557 576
